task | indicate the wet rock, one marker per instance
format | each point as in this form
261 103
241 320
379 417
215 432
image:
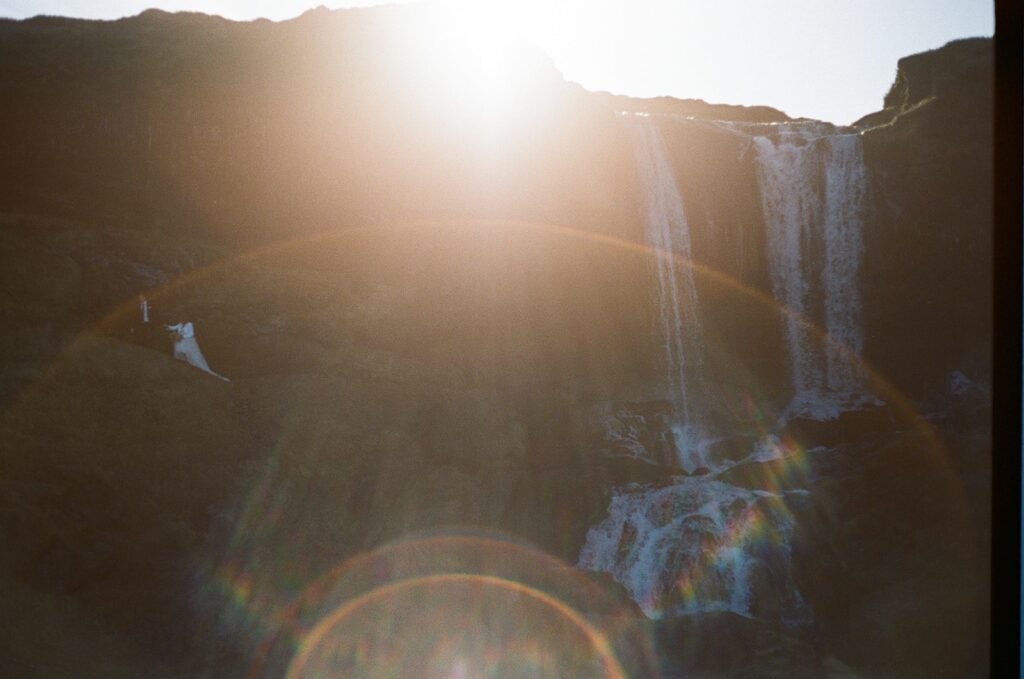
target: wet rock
854 425
728 645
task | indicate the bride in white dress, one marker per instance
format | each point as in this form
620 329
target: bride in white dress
187 349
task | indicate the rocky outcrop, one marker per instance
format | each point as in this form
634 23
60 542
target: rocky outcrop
930 156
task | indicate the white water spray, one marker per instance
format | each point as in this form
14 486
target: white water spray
694 546
845 189
668 233
697 544
813 188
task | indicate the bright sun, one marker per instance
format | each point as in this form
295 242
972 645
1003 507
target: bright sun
477 51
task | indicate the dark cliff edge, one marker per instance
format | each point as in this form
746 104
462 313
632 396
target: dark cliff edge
694 108
335 117
420 325
930 156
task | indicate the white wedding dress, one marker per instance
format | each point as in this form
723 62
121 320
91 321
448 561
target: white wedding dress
187 349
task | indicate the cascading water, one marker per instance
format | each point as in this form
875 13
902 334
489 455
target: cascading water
668 234
845 192
791 208
697 545
813 188
692 544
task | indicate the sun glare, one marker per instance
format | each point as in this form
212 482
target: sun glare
487 43
477 51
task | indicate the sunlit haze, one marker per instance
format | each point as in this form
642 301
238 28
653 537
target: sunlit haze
829 59
499 338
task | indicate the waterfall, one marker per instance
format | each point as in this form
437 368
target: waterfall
668 234
694 544
845 187
698 545
813 188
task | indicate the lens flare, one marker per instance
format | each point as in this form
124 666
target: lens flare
261 578
454 624
452 604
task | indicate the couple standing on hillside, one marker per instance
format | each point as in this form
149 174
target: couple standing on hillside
186 348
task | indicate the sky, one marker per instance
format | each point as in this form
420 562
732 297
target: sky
828 59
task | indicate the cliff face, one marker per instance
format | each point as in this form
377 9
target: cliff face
931 163
335 117
423 329
246 133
